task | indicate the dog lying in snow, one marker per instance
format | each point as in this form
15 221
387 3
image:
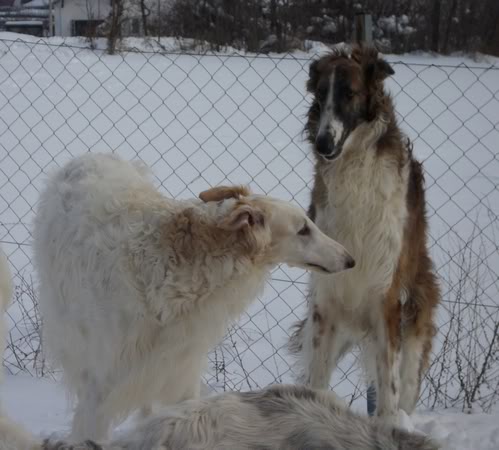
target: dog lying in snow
136 288
277 418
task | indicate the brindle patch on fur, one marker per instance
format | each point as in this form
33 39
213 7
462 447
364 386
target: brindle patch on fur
295 344
304 440
320 320
277 400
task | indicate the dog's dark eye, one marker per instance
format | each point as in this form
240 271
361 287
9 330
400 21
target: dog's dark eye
322 93
349 93
304 231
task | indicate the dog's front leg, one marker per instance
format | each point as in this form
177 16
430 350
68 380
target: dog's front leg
388 343
324 343
89 421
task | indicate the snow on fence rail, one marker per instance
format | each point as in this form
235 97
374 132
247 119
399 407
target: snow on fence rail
204 119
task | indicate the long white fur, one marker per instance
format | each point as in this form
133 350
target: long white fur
127 323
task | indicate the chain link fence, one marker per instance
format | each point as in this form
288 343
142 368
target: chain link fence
200 120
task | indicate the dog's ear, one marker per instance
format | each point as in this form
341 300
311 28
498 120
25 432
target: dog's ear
243 216
378 70
223 193
385 69
313 76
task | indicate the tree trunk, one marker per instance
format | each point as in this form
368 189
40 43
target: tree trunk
435 25
115 25
450 16
492 33
145 12
275 24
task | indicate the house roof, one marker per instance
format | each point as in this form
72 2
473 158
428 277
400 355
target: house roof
24 23
34 3
6 3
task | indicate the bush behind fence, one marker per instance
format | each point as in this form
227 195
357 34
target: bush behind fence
204 119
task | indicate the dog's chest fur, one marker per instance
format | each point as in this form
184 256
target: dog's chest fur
364 209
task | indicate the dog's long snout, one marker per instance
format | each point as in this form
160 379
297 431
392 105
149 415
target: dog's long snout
325 144
336 257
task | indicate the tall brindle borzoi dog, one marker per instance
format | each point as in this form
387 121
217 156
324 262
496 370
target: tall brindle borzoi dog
136 288
369 195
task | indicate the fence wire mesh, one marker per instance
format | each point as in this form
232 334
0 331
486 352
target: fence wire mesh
200 120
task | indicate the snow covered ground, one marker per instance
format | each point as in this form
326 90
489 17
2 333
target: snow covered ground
201 120
40 405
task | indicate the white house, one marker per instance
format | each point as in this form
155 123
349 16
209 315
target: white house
19 16
75 17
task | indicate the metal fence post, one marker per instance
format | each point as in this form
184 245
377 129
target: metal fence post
51 18
364 28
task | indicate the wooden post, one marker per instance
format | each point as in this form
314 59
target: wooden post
364 28
51 19
159 22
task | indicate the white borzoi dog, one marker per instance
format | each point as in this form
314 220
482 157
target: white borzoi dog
277 418
136 288
369 195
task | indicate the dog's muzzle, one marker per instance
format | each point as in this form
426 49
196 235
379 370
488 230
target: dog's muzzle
324 143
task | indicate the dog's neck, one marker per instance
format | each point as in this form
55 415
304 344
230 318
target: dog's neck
192 258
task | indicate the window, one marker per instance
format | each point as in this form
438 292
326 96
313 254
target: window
85 27
135 27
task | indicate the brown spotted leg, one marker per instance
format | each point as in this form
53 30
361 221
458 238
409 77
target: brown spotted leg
416 349
324 344
388 343
411 372
419 331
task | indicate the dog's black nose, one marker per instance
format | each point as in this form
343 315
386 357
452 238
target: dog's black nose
324 144
349 263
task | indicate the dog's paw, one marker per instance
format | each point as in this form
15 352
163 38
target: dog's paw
405 422
399 420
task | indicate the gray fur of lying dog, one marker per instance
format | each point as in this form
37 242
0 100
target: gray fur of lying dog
280 417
